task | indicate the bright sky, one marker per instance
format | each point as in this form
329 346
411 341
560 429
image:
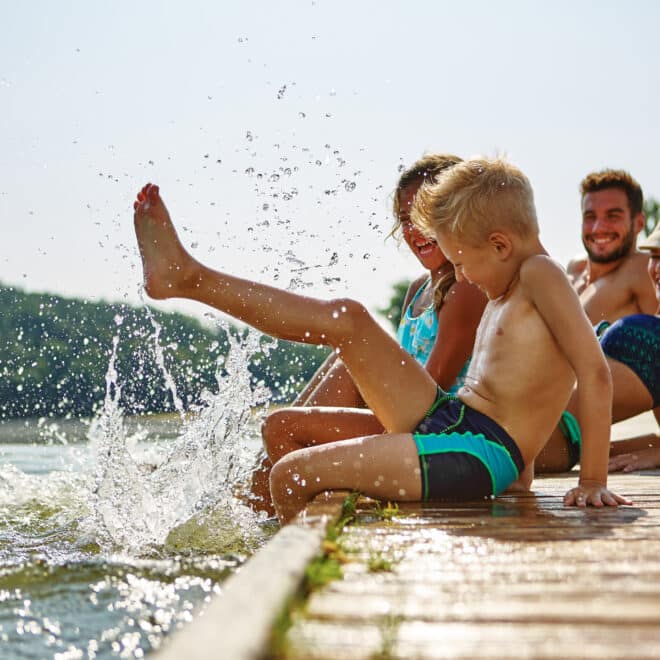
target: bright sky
276 129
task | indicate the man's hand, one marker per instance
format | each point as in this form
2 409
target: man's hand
644 459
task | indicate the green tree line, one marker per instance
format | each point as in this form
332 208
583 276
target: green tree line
55 351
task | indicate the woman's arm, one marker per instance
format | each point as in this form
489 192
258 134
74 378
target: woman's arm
458 319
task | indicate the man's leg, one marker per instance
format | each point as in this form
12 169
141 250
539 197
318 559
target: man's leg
394 385
382 466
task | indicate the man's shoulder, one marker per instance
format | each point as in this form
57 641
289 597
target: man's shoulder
576 265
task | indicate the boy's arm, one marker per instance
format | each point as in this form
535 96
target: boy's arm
549 290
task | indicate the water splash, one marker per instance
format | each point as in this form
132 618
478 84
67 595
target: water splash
138 503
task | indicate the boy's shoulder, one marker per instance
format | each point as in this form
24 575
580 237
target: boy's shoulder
537 268
541 276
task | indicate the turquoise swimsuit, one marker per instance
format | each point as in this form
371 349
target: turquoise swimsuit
417 335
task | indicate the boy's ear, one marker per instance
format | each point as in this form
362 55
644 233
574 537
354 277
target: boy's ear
501 243
638 222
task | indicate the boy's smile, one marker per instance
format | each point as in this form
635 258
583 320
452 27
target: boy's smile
478 265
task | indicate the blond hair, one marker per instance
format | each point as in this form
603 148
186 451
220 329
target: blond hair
475 198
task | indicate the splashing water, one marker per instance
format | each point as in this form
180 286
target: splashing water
138 503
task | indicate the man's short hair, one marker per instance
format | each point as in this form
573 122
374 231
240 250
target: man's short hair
615 179
476 197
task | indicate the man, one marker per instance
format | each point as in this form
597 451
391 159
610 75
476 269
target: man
612 281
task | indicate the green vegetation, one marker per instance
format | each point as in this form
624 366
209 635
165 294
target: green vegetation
55 351
652 214
392 312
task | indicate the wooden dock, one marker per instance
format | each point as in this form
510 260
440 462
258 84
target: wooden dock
517 577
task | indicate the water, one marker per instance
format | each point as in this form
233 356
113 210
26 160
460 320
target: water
114 532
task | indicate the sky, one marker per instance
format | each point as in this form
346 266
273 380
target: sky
276 129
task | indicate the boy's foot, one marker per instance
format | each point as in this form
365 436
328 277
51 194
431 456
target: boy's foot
166 265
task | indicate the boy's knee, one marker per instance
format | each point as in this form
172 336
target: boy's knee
351 313
281 476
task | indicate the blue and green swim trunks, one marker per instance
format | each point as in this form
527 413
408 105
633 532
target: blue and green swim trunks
464 454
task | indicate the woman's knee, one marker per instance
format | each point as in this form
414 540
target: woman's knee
277 432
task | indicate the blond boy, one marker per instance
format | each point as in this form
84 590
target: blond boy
533 341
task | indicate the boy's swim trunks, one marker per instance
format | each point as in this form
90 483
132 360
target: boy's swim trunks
635 341
464 454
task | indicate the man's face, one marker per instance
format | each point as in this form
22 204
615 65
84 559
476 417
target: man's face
608 230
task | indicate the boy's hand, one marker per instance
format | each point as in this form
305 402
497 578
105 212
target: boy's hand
644 459
595 494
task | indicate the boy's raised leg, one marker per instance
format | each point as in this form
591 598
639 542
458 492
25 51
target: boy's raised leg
394 385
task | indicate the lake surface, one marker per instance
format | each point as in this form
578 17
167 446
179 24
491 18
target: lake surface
113 534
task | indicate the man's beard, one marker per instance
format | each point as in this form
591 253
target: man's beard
623 250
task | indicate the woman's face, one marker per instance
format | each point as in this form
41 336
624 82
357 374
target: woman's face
425 249
654 271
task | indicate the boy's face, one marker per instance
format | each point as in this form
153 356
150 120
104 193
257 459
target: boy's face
476 264
608 231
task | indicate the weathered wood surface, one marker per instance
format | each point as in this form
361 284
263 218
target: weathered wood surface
518 577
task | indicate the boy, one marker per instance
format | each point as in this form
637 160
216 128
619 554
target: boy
534 339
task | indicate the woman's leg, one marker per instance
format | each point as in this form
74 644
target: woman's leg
382 466
395 386
289 429
335 389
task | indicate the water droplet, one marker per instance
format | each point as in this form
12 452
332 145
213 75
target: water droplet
335 314
274 177
319 163
366 256
302 115
350 186
296 477
249 171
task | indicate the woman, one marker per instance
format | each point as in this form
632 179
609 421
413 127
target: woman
438 326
